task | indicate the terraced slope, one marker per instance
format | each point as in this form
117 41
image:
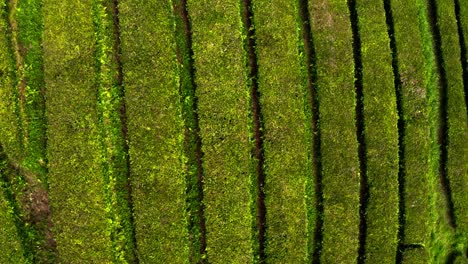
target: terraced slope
153 111
334 85
282 86
223 107
236 131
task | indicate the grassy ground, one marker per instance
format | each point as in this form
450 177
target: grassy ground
12 243
10 137
456 122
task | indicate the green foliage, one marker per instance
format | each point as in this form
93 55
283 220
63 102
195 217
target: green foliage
9 136
457 163
155 128
28 17
66 52
381 133
414 100
464 23
12 251
77 194
14 241
113 156
416 256
440 233
332 36
283 98
224 124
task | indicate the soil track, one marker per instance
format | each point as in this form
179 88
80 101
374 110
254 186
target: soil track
257 122
362 149
443 108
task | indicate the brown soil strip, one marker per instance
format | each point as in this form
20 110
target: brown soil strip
443 108
123 120
463 49
316 134
193 143
362 149
258 125
401 132
19 52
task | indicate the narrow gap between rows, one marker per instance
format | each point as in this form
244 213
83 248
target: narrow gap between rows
317 238
256 113
192 140
463 50
360 131
123 121
443 111
401 132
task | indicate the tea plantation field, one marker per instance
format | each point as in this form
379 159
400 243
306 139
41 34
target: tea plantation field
234 131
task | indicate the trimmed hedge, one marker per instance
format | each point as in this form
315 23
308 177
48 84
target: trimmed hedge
457 162
441 235
192 141
381 133
223 98
416 138
155 129
76 184
333 42
113 152
282 84
13 250
464 25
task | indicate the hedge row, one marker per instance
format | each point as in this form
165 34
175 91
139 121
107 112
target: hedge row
77 188
223 98
113 152
457 160
333 41
414 105
16 53
440 230
155 130
12 251
381 133
282 82
463 20
27 24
